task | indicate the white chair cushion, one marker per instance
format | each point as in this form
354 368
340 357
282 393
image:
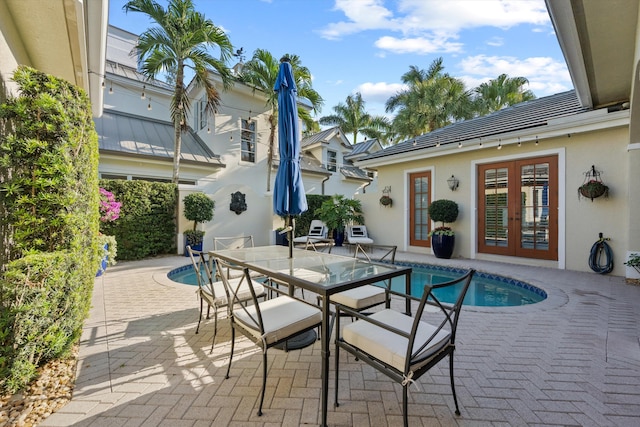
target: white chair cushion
361 240
387 346
282 317
306 274
359 298
303 239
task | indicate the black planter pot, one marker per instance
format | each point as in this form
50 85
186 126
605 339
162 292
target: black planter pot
338 237
281 239
442 245
195 246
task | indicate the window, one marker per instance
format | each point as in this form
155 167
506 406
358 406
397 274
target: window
248 140
419 199
200 114
332 161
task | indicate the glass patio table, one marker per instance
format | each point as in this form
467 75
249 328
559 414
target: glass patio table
322 273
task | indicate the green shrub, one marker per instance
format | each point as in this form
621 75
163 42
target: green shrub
49 222
146 224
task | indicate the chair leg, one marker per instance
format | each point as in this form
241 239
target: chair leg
233 343
405 405
200 317
453 387
264 380
215 328
208 311
335 401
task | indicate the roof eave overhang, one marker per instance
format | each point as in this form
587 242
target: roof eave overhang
562 126
119 155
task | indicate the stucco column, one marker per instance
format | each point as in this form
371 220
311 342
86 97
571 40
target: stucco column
634 173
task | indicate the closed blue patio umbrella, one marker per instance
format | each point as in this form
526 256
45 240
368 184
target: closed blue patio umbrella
288 192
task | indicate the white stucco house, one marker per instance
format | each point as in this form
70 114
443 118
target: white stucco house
519 169
222 154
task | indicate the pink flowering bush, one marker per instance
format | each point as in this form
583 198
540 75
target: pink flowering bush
109 208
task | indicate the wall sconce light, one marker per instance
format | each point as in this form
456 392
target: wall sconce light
453 183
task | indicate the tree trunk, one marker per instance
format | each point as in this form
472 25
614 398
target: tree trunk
272 138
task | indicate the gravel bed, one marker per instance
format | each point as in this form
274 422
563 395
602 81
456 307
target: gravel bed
50 391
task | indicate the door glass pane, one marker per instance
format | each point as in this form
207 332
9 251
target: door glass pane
534 203
420 205
496 199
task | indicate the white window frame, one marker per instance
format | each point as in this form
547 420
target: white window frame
248 140
332 161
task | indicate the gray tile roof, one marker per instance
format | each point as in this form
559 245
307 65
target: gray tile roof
131 135
355 173
526 115
317 137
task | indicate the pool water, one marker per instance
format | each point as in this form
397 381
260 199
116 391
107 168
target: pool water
486 290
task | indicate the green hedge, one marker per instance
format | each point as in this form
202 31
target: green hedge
146 226
49 191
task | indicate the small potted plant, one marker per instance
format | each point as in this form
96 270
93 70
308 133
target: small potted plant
593 186
198 207
443 237
337 212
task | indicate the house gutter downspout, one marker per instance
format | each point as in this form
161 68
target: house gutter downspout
322 184
364 187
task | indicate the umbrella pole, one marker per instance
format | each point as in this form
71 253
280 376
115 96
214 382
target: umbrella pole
291 234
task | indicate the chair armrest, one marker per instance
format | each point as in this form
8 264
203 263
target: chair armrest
366 318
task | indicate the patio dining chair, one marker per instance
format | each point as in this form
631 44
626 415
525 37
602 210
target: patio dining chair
266 323
368 296
233 242
213 292
404 347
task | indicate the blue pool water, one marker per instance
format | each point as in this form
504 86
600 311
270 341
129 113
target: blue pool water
486 290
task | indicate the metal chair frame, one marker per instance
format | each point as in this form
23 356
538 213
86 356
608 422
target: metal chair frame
252 309
415 363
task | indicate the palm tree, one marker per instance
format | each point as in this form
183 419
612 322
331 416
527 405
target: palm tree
181 39
501 92
433 99
261 72
352 118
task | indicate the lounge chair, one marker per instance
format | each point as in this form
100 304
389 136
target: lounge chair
317 230
358 234
404 347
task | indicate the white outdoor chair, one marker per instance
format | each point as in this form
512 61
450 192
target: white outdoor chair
213 293
404 347
367 296
317 230
234 242
358 234
266 323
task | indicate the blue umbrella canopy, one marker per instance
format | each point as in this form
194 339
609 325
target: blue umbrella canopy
288 192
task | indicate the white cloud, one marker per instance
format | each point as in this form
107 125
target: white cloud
378 92
446 18
546 75
495 41
417 45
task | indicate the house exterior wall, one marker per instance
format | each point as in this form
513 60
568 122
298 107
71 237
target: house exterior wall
580 221
12 51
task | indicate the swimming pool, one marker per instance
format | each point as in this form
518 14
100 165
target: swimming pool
486 290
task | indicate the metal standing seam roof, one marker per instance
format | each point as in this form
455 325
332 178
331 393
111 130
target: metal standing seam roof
127 134
526 115
308 163
355 173
133 74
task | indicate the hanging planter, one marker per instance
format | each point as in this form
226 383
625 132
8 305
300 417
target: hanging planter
386 201
593 186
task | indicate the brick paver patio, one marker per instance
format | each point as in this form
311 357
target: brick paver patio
573 359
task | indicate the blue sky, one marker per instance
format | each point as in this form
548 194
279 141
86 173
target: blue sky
367 45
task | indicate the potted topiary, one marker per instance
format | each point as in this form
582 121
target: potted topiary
337 212
443 238
198 207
